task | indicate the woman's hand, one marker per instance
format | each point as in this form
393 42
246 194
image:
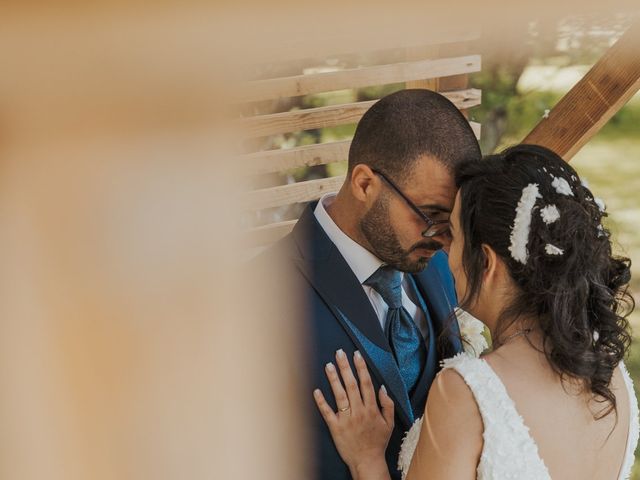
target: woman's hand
360 430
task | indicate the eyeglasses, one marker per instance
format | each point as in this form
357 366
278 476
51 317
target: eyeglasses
434 227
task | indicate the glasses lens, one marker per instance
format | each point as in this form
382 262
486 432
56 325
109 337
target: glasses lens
436 230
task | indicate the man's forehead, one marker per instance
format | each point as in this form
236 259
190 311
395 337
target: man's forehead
429 166
432 184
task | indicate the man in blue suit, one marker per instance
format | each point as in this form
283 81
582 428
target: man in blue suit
369 261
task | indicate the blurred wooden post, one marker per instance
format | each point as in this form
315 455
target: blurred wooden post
416 53
455 82
580 114
441 84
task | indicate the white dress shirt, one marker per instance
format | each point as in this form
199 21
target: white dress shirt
363 263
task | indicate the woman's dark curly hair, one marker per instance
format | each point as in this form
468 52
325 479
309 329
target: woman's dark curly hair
579 296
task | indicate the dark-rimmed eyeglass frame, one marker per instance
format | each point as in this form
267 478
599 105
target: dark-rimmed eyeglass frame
434 227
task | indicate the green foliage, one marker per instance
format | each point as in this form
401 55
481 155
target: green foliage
625 123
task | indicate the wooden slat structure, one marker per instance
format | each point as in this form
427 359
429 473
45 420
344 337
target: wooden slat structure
285 159
332 115
357 77
272 209
270 233
293 193
270 161
580 114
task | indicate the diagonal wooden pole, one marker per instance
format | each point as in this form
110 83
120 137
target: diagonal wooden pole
580 114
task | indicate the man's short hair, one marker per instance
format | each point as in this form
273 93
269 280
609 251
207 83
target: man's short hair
406 125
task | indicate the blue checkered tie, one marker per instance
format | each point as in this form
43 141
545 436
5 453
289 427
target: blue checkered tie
406 342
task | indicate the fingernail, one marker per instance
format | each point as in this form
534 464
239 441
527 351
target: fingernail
357 355
316 392
329 366
383 389
340 353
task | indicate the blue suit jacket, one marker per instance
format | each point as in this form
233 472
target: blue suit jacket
338 314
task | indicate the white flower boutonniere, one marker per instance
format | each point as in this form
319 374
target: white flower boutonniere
471 330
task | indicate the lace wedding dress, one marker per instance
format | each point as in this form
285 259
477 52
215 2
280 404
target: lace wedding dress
509 452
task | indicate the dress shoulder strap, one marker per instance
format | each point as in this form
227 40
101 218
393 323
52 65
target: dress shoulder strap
487 388
475 372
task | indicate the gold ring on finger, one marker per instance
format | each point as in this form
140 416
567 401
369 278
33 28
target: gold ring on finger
344 409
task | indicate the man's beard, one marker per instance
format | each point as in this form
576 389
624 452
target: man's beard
376 228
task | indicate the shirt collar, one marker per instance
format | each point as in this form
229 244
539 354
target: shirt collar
361 261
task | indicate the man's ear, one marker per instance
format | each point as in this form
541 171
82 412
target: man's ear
364 184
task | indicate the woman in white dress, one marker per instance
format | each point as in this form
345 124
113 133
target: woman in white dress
553 399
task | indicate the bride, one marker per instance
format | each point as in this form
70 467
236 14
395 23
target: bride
553 399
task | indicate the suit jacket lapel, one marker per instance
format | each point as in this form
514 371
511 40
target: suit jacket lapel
435 283
328 272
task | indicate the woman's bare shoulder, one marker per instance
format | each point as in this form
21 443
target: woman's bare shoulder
450 393
450 441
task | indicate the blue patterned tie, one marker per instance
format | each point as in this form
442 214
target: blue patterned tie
406 342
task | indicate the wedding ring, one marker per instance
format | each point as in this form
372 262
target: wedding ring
344 409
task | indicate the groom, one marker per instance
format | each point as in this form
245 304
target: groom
368 260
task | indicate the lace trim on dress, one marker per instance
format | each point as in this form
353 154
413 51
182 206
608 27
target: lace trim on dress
634 426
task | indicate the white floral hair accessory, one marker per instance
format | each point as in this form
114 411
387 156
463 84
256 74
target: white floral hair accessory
522 223
550 214
562 186
601 232
600 203
553 250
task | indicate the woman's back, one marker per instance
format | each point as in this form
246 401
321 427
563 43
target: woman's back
560 416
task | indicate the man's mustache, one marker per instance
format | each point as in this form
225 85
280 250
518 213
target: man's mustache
432 245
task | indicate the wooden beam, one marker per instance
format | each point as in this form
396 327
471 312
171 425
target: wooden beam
477 129
580 114
292 193
357 77
295 120
269 233
285 159
428 83
321 117
455 82
279 160
342 40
